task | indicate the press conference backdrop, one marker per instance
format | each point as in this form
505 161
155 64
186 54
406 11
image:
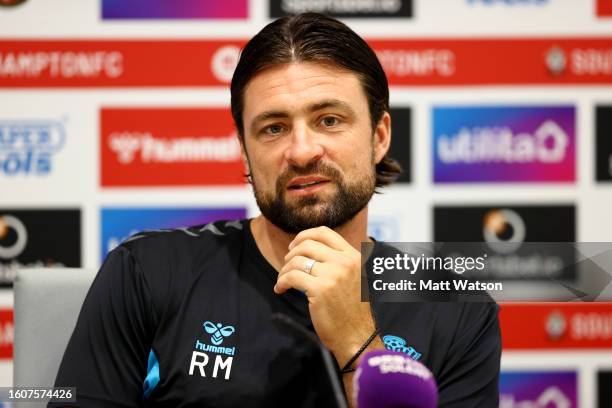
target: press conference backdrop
114 117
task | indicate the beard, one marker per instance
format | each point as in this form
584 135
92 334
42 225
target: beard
331 210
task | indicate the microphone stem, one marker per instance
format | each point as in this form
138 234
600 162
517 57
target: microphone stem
328 361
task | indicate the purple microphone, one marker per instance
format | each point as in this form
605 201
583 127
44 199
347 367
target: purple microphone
388 379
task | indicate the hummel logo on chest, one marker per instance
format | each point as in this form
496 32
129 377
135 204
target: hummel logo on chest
202 356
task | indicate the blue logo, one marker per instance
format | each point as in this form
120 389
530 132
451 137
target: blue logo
384 229
218 332
119 223
27 147
395 343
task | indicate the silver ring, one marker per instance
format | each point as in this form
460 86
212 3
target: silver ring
309 265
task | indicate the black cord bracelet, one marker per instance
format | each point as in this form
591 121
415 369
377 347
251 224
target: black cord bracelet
347 367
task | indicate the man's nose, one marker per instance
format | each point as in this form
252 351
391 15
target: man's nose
304 147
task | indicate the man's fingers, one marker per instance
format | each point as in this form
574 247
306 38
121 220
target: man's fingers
312 249
299 263
324 235
294 279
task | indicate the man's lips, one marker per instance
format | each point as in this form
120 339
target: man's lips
299 183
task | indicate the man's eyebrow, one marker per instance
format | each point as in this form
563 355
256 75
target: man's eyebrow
331 103
268 115
271 115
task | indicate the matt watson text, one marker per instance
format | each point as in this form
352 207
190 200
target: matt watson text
436 286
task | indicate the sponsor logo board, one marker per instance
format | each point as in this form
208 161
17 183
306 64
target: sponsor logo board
117 63
504 144
121 223
343 8
401 149
505 228
384 228
176 9
30 147
38 238
161 147
447 62
197 63
11 3
604 8
604 391
6 333
557 389
582 325
603 129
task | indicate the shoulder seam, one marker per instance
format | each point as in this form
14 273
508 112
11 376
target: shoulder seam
146 282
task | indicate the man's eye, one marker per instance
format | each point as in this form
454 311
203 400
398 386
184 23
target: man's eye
273 129
329 121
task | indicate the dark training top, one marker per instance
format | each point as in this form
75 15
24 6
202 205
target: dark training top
181 318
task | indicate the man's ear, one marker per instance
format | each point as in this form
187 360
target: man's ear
245 157
382 137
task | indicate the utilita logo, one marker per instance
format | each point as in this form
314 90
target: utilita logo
551 397
179 9
28 147
478 144
548 144
164 146
548 389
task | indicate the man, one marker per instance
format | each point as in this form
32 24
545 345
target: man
182 318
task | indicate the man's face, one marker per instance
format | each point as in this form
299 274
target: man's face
310 146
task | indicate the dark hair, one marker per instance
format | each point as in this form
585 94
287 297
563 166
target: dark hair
316 37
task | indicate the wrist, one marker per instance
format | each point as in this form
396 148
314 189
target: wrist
372 342
343 353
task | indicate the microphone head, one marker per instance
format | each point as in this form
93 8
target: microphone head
388 379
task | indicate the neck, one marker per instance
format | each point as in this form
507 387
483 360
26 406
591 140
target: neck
273 242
